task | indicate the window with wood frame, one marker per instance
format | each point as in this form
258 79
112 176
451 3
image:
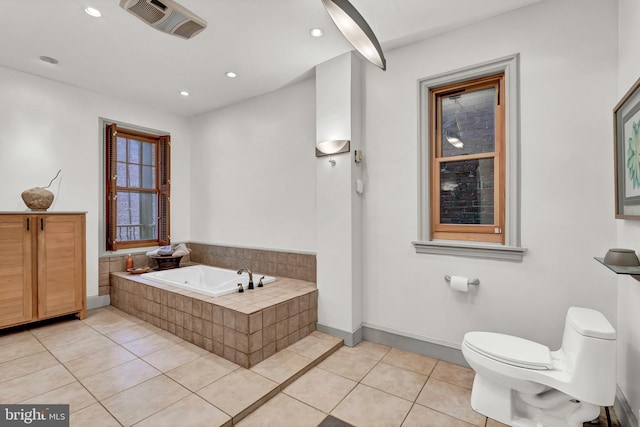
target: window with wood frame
137 188
467 160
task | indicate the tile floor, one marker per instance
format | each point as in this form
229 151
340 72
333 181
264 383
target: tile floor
116 370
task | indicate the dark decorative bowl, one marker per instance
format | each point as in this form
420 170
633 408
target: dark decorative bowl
167 262
621 257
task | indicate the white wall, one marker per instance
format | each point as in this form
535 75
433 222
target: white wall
48 126
339 208
628 231
253 172
567 75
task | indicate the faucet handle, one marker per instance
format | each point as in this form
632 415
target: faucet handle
260 282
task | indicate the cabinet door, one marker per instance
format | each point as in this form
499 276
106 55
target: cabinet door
16 279
61 268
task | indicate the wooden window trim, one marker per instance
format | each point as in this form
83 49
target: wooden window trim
494 233
163 187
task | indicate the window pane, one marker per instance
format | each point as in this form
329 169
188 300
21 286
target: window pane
148 177
122 175
137 216
134 176
148 153
134 151
468 123
122 149
466 192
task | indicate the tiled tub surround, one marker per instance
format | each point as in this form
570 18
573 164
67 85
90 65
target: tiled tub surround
244 328
272 263
111 264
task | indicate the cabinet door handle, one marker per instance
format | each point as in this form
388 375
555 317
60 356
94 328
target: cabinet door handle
28 224
42 224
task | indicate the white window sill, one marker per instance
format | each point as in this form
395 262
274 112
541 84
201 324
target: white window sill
472 250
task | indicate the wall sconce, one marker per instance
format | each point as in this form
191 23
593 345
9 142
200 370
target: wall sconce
331 147
354 27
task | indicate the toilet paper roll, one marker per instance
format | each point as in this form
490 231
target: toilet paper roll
459 283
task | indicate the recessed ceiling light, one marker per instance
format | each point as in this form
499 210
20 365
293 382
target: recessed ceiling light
316 32
49 59
231 74
184 93
93 12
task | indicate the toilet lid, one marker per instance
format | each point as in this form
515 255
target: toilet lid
510 350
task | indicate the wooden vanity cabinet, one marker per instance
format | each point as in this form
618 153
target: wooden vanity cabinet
42 266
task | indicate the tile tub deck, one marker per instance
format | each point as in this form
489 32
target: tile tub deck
244 328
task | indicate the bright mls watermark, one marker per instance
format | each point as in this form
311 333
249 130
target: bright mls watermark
34 415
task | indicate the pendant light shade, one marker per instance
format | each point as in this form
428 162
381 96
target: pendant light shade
354 27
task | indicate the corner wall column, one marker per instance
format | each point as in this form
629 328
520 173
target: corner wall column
339 208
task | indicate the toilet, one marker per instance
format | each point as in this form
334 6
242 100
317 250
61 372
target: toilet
524 384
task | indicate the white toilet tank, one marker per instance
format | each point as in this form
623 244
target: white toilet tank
589 346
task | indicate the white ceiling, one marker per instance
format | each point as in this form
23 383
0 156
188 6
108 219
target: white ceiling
266 42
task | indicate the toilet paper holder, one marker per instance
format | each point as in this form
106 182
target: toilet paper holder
474 282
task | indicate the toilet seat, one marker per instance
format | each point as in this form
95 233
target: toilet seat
511 350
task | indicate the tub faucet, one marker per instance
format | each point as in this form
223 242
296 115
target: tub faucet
250 276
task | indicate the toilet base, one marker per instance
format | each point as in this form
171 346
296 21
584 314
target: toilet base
550 408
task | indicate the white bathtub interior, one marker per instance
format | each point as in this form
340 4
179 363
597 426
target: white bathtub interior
212 281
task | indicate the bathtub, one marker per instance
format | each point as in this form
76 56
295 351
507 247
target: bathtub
206 280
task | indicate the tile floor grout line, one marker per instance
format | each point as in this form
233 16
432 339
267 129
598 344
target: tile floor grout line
354 387
280 387
128 388
141 358
22 357
78 381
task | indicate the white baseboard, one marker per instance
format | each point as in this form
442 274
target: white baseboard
624 412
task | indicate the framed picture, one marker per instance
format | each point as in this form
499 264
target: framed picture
626 139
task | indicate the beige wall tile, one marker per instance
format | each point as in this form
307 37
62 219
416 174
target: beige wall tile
269 334
282 329
255 342
217 315
294 306
242 342
255 322
282 312
242 322
268 316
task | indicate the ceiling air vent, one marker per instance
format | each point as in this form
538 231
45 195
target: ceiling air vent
166 16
